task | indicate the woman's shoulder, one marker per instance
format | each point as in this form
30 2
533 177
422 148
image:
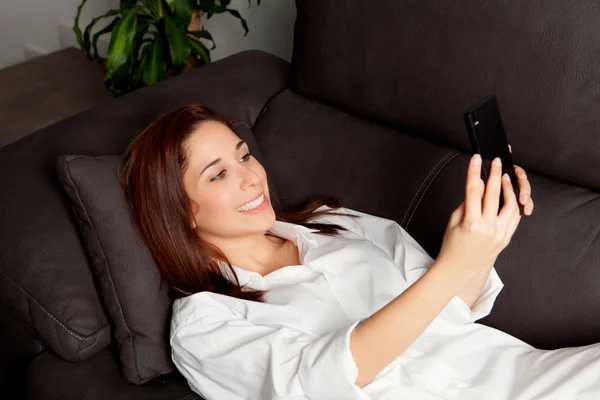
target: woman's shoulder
202 305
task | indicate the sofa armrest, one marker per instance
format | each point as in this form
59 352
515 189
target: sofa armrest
97 378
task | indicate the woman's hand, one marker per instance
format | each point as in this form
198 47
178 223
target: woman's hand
476 232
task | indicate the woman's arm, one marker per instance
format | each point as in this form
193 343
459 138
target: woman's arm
381 338
472 302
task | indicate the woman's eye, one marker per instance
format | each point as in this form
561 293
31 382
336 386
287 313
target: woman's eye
246 157
218 176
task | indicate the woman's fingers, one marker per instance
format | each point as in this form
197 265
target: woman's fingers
492 191
524 188
510 207
524 185
474 189
512 227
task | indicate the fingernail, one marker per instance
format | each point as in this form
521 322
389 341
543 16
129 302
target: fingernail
525 198
476 159
497 162
506 177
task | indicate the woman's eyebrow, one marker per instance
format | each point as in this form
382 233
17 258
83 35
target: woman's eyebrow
218 160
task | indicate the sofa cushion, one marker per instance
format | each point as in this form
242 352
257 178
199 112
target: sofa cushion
125 272
421 64
97 378
45 278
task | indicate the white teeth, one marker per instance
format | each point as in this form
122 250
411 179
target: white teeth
252 204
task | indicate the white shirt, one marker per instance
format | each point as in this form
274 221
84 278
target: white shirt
296 344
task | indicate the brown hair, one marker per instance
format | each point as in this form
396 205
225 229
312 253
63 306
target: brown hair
151 178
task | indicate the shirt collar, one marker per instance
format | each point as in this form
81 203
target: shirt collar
290 231
298 234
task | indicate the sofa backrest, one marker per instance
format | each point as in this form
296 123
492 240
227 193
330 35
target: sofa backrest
419 65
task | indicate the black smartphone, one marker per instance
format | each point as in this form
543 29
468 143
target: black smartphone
487 136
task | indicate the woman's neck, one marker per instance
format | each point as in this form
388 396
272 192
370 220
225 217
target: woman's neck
262 253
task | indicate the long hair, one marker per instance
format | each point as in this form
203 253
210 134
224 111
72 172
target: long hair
151 177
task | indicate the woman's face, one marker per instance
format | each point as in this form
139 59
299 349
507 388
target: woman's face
227 186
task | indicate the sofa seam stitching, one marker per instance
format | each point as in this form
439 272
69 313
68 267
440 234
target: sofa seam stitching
52 316
410 208
439 167
17 316
109 273
266 106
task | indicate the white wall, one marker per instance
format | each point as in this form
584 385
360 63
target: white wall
271 28
34 24
34 27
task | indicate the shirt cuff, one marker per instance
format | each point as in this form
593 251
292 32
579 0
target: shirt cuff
459 312
329 371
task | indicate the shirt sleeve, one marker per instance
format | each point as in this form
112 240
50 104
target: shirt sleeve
414 261
460 312
224 356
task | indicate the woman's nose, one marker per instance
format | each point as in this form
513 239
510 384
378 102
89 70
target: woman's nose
249 179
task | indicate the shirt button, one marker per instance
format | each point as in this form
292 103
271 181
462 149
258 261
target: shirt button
454 385
254 278
329 274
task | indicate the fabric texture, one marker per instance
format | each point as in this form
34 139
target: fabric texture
51 377
418 66
125 272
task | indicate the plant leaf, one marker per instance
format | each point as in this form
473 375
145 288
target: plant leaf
154 69
121 42
88 31
182 10
143 25
200 49
76 28
204 34
206 5
155 8
242 20
106 29
179 45
125 5
217 9
139 68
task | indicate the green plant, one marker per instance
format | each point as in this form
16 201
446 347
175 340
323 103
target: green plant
151 40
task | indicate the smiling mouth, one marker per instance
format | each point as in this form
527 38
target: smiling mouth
252 204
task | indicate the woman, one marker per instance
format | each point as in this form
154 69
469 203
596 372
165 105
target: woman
328 302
